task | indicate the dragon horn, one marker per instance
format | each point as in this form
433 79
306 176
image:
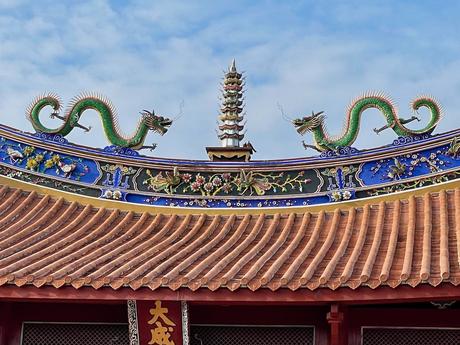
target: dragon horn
284 116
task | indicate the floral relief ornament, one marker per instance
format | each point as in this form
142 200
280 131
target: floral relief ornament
115 195
41 161
405 166
242 183
340 195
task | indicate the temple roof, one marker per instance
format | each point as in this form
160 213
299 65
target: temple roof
411 239
84 219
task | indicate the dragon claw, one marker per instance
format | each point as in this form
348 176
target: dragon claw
149 147
307 146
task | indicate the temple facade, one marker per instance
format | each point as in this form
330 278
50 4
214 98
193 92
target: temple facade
348 247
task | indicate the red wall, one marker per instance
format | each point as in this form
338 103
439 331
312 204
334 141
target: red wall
418 316
264 315
12 314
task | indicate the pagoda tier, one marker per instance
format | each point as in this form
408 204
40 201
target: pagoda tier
234 118
233 127
231 136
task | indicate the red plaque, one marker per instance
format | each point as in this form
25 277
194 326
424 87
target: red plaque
159 322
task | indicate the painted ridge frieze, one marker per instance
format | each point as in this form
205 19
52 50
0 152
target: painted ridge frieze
200 185
57 142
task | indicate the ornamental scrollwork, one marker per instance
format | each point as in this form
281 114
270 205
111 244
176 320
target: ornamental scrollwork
340 182
116 181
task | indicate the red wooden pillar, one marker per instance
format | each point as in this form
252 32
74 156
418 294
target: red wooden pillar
7 324
335 319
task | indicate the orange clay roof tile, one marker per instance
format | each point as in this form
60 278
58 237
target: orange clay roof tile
46 241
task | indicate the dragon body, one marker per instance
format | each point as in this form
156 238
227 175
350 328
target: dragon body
323 142
148 121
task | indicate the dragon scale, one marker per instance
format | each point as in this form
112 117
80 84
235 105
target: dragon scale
148 121
323 142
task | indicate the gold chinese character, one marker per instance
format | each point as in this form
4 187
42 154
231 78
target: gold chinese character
160 335
159 313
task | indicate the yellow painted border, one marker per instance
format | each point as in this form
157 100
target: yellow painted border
126 206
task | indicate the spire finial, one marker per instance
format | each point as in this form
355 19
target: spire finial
232 66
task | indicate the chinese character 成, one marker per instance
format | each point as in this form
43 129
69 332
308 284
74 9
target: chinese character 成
160 335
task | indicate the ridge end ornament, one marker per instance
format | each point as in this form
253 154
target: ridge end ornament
149 121
324 142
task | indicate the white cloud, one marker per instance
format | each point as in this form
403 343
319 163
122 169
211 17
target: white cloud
145 55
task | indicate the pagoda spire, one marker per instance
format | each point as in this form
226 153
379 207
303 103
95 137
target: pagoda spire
230 117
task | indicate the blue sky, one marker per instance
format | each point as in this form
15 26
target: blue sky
305 55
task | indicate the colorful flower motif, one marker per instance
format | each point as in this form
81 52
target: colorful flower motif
208 187
216 181
200 180
39 158
56 159
227 188
336 196
195 186
49 163
226 176
107 194
28 150
346 195
31 164
186 177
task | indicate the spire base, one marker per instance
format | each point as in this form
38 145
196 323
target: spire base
230 154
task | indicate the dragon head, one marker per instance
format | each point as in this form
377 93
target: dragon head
308 123
156 123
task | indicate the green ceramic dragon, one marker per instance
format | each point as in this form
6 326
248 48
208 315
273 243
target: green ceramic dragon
323 142
148 120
